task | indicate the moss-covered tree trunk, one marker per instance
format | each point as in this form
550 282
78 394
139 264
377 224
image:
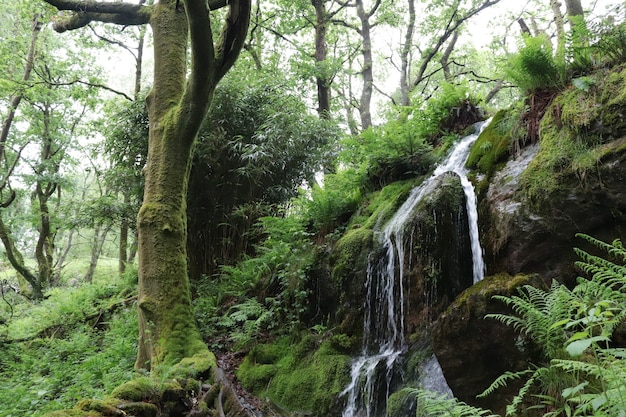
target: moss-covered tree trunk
177 104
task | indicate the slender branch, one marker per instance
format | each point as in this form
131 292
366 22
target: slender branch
87 83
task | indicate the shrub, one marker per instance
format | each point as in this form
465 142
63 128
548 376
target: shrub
534 68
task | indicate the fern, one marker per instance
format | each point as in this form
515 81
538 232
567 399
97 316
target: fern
536 311
430 404
503 380
592 382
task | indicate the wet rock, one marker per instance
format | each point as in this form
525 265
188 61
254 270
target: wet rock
521 238
474 351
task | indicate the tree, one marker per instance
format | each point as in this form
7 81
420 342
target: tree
177 105
440 27
49 100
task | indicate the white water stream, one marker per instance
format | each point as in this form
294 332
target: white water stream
383 327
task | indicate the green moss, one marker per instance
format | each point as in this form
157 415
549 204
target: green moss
307 378
492 147
484 290
106 407
383 204
140 409
400 403
137 389
270 353
350 253
573 132
255 377
73 413
197 365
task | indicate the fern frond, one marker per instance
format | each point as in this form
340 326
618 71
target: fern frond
434 405
522 393
574 366
503 380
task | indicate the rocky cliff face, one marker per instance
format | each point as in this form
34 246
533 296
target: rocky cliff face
520 238
531 208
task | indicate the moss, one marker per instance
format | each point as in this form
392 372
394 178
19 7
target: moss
138 389
108 406
270 353
140 409
401 403
350 253
499 284
73 413
197 365
383 204
492 147
255 377
308 378
574 130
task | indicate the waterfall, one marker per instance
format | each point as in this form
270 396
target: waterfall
384 343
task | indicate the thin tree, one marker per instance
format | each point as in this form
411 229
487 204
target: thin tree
177 105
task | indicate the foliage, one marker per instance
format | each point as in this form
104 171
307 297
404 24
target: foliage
430 404
609 48
583 374
258 145
278 276
492 147
534 68
329 206
402 148
574 134
50 358
126 145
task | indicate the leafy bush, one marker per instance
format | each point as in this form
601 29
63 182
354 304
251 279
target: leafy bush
534 68
277 277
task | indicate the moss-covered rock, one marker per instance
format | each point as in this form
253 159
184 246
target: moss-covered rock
492 148
474 351
401 403
138 389
307 378
573 129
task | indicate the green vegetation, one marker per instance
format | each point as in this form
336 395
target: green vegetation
78 342
574 131
303 376
534 67
493 147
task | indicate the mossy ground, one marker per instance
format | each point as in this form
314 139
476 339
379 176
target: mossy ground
304 376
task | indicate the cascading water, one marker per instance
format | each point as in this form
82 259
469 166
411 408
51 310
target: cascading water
383 327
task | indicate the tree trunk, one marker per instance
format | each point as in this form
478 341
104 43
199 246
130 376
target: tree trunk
96 250
168 332
322 79
177 105
368 65
560 31
445 58
405 54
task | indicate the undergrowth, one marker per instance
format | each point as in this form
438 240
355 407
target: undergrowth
67 347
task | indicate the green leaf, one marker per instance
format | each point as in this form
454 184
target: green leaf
577 347
568 392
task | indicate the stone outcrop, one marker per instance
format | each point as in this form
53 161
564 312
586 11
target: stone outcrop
520 238
474 351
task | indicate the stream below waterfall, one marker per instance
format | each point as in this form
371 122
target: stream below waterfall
375 371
